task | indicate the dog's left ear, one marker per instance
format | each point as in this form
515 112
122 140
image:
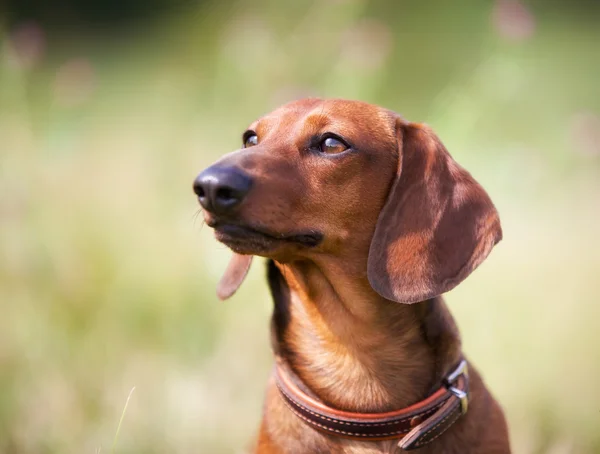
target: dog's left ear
437 225
234 275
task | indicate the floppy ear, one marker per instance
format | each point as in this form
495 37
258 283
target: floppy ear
437 224
236 272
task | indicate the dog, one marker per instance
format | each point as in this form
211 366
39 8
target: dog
365 220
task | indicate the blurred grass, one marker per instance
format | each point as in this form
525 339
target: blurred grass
107 280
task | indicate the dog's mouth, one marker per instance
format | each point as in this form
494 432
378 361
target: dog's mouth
246 239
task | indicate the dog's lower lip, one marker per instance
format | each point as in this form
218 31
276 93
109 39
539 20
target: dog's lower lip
236 230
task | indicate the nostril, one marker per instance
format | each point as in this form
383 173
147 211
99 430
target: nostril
226 194
199 188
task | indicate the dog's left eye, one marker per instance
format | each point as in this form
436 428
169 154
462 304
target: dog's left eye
250 140
331 145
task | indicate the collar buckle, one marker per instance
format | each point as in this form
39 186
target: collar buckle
450 381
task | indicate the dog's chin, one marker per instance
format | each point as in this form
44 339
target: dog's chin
248 240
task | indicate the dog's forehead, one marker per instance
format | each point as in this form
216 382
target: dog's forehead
342 116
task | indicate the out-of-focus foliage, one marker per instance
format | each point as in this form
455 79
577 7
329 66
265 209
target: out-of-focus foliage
107 278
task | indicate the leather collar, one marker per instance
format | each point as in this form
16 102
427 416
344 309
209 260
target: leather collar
415 426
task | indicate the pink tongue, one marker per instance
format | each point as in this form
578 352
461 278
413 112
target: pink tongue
234 275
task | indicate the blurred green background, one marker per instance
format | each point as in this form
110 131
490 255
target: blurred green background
108 110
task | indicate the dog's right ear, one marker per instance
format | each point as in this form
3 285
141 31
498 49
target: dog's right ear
234 275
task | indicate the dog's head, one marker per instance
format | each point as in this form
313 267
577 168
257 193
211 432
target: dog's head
349 178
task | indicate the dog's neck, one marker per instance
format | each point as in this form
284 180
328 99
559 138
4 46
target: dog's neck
353 349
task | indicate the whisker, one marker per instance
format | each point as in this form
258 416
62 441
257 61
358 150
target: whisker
195 219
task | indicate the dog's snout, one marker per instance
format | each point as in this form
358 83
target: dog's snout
220 190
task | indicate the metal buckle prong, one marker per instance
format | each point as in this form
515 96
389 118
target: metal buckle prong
464 398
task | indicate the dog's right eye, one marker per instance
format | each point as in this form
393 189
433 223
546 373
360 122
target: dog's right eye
250 140
332 145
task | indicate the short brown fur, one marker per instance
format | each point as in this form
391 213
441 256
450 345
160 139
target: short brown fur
401 222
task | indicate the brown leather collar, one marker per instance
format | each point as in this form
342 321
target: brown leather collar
415 425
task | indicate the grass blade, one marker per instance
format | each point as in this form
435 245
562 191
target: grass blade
112 450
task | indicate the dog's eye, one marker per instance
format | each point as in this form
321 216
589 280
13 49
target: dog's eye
250 140
331 145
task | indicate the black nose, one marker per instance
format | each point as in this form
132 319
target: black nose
220 189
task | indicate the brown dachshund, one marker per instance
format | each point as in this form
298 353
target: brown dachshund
366 220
